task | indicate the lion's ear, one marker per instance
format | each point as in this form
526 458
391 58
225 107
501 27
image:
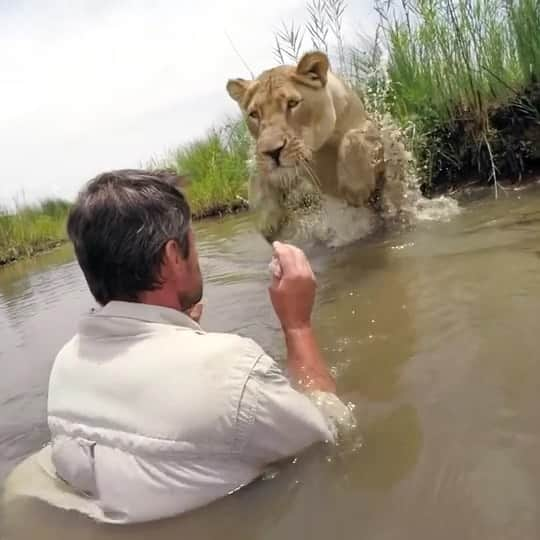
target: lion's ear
237 89
173 178
314 66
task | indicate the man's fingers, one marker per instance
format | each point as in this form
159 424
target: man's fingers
291 259
285 256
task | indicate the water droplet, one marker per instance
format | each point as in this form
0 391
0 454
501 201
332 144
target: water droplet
270 474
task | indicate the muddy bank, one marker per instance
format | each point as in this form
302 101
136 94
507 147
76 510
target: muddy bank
15 254
505 141
239 205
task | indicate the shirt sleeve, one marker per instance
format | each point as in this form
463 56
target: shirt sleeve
283 421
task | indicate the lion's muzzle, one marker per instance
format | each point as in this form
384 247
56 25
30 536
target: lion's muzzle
275 153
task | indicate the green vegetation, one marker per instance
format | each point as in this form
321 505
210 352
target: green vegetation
32 228
461 55
466 72
216 167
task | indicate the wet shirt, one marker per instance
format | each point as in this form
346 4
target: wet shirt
150 416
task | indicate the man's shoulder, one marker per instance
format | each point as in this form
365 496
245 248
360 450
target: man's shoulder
241 350
233 340
210 356
66 350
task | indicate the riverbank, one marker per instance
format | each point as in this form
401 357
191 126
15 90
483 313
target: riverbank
508 153
32 229
215 164
464 74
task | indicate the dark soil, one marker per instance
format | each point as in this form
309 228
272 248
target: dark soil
457 152
16 254
219 211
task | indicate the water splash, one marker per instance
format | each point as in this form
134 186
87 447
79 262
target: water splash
339 416
442 208
333 224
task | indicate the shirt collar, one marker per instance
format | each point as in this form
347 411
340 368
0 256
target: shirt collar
146 312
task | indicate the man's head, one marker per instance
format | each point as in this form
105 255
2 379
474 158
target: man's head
131 230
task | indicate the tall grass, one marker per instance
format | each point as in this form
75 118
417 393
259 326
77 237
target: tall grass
216 166
452 65
525 23
32 228
452 57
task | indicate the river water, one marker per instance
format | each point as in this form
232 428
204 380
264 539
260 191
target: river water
433 334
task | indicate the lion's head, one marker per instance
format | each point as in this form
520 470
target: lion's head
290 113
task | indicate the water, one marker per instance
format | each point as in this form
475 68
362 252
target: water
432 333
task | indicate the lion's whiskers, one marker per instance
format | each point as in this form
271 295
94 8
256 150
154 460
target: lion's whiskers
315 180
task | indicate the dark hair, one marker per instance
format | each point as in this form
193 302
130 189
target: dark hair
119 226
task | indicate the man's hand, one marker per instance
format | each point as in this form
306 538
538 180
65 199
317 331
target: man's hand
292 292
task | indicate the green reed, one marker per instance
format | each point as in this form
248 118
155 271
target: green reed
216 166
452 57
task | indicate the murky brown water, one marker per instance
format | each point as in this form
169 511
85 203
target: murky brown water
433 333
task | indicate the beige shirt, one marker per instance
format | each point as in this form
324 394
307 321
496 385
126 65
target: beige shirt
150 416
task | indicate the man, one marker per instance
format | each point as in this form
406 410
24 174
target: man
149 415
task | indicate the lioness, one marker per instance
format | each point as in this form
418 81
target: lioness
310 126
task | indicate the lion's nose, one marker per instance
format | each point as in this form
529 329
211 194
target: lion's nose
275 153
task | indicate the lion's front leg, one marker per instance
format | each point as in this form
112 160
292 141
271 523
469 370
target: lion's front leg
360 164
265 203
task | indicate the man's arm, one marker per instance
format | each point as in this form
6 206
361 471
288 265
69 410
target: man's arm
305 361
293 294
287 420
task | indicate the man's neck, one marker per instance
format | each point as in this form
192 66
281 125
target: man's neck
161 298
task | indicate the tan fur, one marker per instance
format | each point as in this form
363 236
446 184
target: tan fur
326 138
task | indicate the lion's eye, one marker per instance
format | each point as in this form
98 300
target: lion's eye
254 115
292 103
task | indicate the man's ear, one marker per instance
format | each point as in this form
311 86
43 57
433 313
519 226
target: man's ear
237 89
313 69
172 258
